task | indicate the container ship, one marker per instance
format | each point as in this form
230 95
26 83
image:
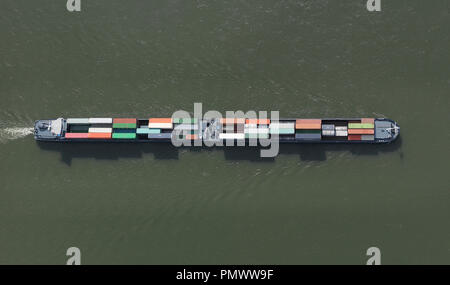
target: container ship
326 130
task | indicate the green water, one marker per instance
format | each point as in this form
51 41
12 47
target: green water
144 204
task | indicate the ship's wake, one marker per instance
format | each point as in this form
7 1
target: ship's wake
14 133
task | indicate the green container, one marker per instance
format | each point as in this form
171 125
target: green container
308 131
148 131
124 126
360 126
123 136
284 131
185 120
256 136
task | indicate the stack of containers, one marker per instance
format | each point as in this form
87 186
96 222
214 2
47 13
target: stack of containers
77 128
100 128
328 130
232 128
256 128
160 128
124 128
308 129
341 131
282 128
188 126
356 131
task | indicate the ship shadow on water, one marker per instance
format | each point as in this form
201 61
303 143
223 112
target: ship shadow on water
115 151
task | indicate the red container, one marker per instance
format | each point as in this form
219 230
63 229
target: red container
76 135
124 121
257 121
354 137
361 131
99 135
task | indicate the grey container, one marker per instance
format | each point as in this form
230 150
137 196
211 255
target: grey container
308 137
328 127
341 128
328 133
160 136
367 137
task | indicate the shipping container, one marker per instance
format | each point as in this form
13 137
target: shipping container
308 137
367 137
124 131
341 133
257 121
360 126
300 131
99 135
311 124
368 120
354 137
76 135
77 121
185 121
100 120
148 131
231 121
361 131
186 127
257 131
124 121
256 136
124 126
340 128
278 125
192 137
238 136
328 133
283 131
328 127
128 136
100 130
160 125
160 136
160 120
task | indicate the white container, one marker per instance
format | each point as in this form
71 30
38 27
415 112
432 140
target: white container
282 125
328 133
100 120
340 128
160 125
257 131
186 127
367 137
100 130
77 121
341 133
236 136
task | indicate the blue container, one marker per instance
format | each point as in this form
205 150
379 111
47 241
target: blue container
307 137
160 136
124 131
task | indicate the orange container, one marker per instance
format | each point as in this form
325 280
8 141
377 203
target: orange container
308 124
257 121
99 135
124 121
354 137
361 131
232 121
191 137
367 120
161 120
